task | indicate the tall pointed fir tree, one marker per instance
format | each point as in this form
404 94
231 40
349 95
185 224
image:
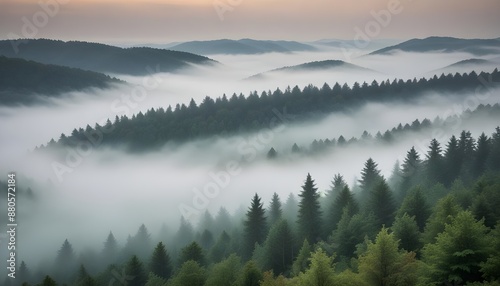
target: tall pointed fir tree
481 155
336 187
275 211
453 161
135 271
344 201
370 176
65 263
434 164
160 263
255 227
381 204
309 216
411 169
109 253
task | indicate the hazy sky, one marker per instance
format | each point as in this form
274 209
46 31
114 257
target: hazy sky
163 21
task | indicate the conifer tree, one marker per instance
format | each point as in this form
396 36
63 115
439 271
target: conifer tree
309 217
370 176
160 264
135 270
381 204
255 227
275 211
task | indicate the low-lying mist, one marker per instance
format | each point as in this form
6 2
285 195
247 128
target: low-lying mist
109 189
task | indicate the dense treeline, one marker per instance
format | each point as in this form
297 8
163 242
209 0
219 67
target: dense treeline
22 81
239 113
435 221
424 128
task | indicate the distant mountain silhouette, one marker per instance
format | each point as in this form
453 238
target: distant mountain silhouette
243 46
23 81
100 57
445 44
469 65
314 66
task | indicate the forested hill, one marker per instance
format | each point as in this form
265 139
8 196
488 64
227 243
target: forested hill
240 113
22 82
99 57
445 44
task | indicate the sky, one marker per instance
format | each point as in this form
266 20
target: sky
166 21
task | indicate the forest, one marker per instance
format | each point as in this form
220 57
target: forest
226 116
434 221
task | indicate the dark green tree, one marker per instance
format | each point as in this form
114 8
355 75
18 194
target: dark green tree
415 205
206 239
275 211
411 172
193 252
406 231
435 163
301 263
160 263
382 205
135 270
459 251
191 273
444 211
221 248
309 217
255 227
48 281
279 248
481 155
225 273
370 176
251 275
453 159
344 200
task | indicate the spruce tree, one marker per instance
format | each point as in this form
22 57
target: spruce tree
135 270
194 252
434 163
406 231
344 200
309 217
453 161
415 205
481 155
255 227
381 204
275 211
370 176
110 251
160 263
279 248
410 172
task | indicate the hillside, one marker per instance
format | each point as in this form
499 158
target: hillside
23 81
102 58
243 46
445 44
314 66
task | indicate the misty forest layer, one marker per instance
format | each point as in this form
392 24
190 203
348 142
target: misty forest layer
434 221
224 116
21 81
99 57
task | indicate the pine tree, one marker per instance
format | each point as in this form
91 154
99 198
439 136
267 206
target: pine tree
370 176
255 227
192 252
291 210
458 253
309 217
222 222
415 205
135 270
160 263
481 155
494 154
220 250
48 281
65 262
275 211
206 239
434 163
411 169
445 209
350 232
327 203
321 272
279 248
453 161
184 235
406 231
384 264
272 153
109 253
206 222
301 263
191 273
344 200
381 204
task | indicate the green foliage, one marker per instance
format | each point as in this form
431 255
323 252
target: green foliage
415 205
406 231
444 211
251 275
350 232
225 273
301 263
370 177
160 264
279 248
321 271
154 280
458 252
309 217
190 273
220 250
381 204
48 281
384 264
343 200
411 172
193 252
275 211
255 226
491 268
135 270
269 280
